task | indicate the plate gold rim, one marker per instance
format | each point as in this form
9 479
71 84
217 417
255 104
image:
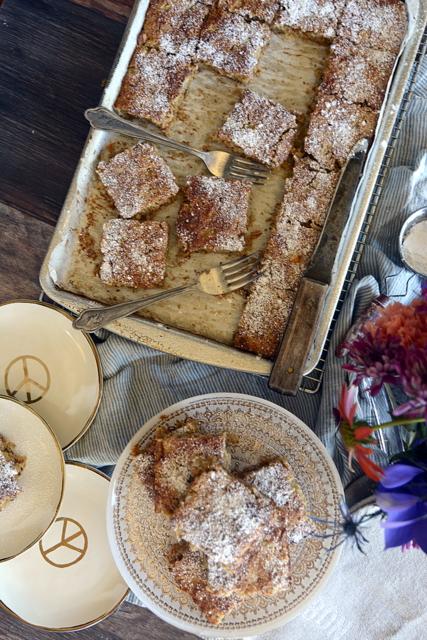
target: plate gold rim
95 353
95 621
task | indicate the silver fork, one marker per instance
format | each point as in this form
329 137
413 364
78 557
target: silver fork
216 281
220 163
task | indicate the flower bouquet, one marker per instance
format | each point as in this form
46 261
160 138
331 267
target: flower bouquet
388 346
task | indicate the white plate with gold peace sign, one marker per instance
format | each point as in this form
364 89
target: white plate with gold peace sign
49 366
69 580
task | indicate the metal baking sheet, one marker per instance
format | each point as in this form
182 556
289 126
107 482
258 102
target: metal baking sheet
183 343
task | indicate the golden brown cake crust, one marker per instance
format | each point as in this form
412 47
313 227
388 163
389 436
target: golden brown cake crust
260 128
179 459
230 44
297 228
214 215
174 26
189 569
335 127
276 481
134 253
154 84
138 180
264 10
380 24
358 74
317 18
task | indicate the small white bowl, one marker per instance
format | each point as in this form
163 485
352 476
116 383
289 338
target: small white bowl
69 580
24 520
414 258
50 366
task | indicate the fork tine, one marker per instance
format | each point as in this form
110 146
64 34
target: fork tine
239 268
241 276
241 260
246 171
246 164
240 175
243 283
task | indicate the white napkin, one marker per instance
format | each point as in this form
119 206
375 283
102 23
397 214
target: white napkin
380 596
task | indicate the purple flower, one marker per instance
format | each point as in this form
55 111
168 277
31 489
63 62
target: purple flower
413 376
402 495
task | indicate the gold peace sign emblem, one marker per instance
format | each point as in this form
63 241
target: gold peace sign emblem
71 545
28 378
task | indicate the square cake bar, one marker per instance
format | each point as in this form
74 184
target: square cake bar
335 127
154 85
174 26
358 74
380 24
317 18
262 129
220 516
214 215
230 44
138 180
134 253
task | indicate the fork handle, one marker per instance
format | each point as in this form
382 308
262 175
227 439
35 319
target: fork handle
94 319
103 118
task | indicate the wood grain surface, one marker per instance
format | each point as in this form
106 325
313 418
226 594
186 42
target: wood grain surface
55 56
54 59
129 623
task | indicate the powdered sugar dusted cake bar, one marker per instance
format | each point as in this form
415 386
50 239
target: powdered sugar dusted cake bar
316 18
298 225
335 127
219 516
264 130
374 23
154 84
138 180
264 10
175 26
134 253
358 74
11 466
214 215
231 44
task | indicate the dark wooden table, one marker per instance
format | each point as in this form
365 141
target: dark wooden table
55 56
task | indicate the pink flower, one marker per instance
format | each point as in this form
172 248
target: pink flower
356 435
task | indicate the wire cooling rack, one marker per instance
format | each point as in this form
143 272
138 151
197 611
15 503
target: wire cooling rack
311 383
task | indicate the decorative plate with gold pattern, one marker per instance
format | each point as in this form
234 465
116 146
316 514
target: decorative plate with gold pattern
139 537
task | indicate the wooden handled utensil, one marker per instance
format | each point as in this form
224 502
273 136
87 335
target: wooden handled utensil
287 371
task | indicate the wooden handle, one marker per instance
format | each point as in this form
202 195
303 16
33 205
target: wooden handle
299 335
